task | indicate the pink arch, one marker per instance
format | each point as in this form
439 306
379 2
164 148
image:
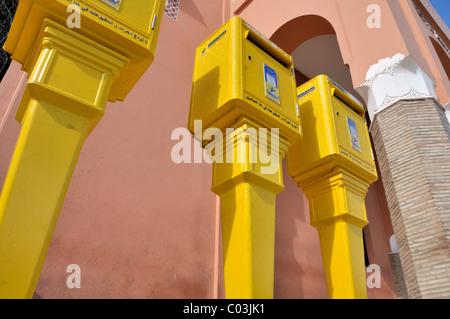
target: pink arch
298 30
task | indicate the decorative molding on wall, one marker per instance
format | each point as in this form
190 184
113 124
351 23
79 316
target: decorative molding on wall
394 79
438 21
172 8
436 17
240 5
7 11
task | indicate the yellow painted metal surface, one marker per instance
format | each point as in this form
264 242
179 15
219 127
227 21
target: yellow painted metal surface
34 190
335 133
131 30
244 82
72 75
239 72
334 166
337 211
247 203
69 84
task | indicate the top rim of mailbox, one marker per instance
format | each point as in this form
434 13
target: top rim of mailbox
351 100
132 24
131 31
262 36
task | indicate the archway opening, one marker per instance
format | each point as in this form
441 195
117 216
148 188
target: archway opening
312 42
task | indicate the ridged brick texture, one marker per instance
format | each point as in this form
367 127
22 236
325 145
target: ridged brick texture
397 273
411 140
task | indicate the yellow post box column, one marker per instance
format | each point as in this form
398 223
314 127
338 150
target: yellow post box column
244 87
71 78
334 166
55 121
247 202
338 213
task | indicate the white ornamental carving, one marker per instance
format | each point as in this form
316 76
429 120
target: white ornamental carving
394 79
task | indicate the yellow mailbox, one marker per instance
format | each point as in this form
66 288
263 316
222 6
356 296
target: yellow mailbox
239 72
128 27
333 122
245 84
334 166
72 73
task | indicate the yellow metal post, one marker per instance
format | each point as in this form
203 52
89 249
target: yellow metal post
244 86
65 97
338 213
247 202
334 166
72 75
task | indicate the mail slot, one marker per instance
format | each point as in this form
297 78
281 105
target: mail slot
239 72
129 27
335 133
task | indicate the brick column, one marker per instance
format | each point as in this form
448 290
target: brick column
411 138
397 271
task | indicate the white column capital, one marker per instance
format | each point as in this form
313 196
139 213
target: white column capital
394 79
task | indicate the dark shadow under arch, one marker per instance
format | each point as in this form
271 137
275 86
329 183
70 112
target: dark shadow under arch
295 32
289 38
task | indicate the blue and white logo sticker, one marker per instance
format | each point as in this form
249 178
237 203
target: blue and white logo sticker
271 84
354 137
306 92
113 3
220 36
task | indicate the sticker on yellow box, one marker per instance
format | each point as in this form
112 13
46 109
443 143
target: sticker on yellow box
271 82
113 3
352 129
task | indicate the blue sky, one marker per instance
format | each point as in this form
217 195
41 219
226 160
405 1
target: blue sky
443 8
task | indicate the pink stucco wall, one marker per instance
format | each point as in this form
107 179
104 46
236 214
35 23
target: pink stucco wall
141 226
